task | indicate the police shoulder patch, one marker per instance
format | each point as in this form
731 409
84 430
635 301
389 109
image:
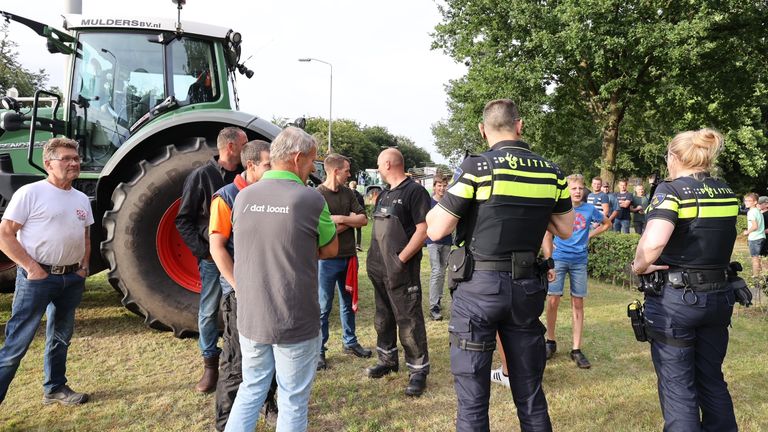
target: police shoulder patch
456 176
658 199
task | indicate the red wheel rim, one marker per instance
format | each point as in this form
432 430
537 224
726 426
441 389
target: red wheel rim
175 257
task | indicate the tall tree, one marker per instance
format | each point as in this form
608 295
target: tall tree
594 76
362 144
12 73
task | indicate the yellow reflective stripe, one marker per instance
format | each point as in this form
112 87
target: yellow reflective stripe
476 179
565 193
462 190
710 200
528 174
525 190
709 212
667 204
483 192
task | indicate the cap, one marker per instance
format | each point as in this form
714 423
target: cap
762 200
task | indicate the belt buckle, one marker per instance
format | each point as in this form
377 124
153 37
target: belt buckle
57 269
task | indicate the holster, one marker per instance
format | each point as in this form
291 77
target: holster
739 285
651 283
637 319
543 266
460 265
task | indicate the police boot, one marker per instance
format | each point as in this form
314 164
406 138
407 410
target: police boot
416 385
210 376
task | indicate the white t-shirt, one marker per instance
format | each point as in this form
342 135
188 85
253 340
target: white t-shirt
53 222
754 215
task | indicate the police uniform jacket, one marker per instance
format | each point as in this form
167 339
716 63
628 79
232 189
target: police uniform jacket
504 199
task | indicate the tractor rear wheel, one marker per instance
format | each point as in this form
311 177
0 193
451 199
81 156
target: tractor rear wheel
149 263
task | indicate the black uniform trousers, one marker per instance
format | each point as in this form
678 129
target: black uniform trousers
397 294
492 301
692 390
230 366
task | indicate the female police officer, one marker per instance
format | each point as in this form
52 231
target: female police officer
688 241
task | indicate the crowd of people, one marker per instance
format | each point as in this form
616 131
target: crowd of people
505 233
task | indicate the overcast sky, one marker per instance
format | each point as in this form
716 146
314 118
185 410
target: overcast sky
384 72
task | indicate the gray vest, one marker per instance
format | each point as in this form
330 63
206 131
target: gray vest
275 226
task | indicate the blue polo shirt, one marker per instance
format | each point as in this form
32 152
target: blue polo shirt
574 249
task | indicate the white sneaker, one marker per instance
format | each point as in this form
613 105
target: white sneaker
499 378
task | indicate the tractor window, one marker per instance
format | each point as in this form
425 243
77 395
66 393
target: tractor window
194 71
118 78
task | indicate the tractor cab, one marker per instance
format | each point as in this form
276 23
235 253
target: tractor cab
123 73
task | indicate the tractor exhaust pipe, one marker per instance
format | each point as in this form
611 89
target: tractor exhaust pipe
73 7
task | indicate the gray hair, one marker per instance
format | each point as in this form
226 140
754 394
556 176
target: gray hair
252 151
53 144
291 140
227 135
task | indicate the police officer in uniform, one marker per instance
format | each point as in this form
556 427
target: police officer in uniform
688 240
502 203
394 264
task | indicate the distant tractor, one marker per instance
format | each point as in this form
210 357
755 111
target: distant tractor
373 186
145 99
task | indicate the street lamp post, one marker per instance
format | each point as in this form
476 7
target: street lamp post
330 97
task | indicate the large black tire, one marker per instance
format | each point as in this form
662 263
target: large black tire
7 277
130 240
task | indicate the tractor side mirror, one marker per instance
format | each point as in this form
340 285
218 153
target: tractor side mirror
11 121
10 104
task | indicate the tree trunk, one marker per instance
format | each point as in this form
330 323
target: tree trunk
611 140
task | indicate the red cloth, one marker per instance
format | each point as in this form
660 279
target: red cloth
350 285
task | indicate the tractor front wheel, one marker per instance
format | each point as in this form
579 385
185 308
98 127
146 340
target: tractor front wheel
149 263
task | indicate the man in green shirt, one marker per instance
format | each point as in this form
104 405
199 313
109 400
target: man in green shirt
281 228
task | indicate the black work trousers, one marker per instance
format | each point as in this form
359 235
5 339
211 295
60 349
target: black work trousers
397 291
492 301
230 365
692 390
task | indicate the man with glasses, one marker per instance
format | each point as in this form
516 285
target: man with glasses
51 268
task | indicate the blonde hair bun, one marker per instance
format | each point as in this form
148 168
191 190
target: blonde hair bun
697 149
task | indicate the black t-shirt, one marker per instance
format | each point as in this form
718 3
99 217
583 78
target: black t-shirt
343 202
624 213
409 201
703 210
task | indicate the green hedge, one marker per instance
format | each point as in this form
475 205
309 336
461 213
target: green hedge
609 256
741 224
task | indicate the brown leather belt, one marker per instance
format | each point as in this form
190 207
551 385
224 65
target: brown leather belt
60 269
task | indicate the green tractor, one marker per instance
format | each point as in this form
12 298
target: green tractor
145 98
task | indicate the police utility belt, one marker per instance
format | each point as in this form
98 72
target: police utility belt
522 265
695 280
690 281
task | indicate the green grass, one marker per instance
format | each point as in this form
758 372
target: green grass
141 379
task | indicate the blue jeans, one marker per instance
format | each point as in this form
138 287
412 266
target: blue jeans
331 274
438 261
56 295
295 365
578 274
621 225
210 296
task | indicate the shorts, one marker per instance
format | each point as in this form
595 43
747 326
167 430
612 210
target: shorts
578 273
755 247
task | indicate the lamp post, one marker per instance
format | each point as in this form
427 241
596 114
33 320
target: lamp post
330 97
